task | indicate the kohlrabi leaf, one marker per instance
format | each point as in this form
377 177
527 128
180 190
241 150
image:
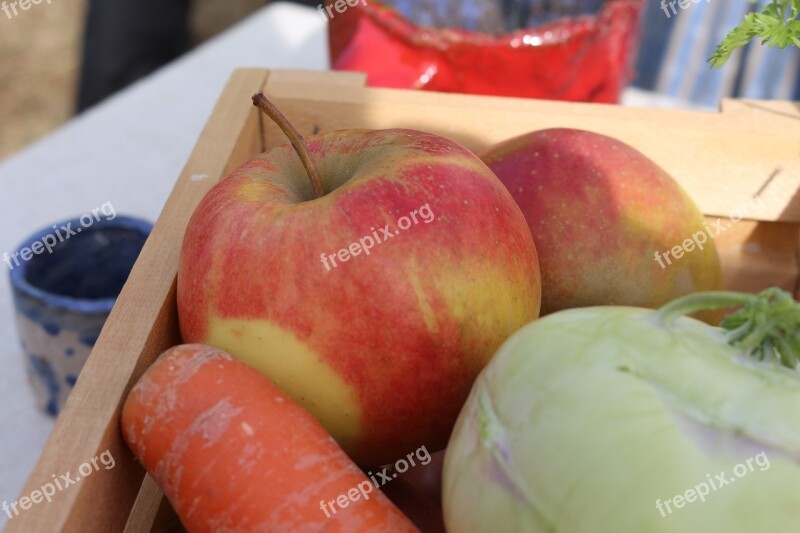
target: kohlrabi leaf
766 327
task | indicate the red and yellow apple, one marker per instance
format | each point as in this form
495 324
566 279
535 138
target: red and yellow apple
381 343
603 215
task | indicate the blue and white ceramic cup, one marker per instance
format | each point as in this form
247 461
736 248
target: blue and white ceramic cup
65 280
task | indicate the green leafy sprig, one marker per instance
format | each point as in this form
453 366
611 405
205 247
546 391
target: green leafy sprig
778 24
766 327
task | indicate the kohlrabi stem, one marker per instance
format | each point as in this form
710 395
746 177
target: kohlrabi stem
269 109
767 326
702 301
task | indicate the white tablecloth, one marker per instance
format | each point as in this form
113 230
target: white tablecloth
128 151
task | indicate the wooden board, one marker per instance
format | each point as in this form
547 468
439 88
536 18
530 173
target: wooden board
721 158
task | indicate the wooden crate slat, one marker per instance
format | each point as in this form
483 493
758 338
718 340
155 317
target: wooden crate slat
758 255
149 500
721 159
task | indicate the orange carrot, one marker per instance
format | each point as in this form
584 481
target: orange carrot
233 453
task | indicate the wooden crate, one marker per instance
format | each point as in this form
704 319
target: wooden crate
722 159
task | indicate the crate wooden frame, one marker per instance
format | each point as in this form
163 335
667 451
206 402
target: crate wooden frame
722 159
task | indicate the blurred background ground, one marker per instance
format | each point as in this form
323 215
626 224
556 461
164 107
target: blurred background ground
40 51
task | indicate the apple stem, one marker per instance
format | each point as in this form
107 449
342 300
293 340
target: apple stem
269 109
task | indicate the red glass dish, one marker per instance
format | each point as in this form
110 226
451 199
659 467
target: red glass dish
587 58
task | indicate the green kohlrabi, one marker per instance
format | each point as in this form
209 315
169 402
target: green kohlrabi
623 420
